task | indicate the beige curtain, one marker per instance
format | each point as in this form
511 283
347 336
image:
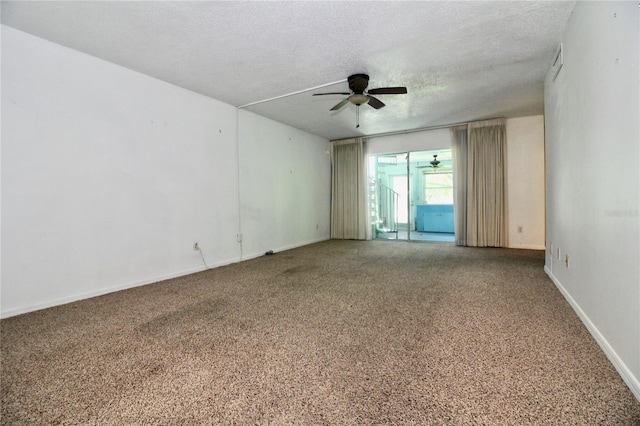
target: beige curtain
480 183
348 190
459 155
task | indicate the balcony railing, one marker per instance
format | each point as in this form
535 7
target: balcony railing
386 214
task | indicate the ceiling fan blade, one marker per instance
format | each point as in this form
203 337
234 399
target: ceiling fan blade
340 105
333 93
374 102
388 91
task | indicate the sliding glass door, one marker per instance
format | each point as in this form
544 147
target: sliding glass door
411 196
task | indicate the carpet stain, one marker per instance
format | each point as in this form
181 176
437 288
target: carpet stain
299 269
184 322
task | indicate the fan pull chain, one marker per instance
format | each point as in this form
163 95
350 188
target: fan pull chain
357 116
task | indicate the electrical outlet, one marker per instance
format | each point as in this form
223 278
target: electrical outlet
196 247
520 229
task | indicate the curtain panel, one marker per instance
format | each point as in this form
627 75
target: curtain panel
459 155
480 183
348 190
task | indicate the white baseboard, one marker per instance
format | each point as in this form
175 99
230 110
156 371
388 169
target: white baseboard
283 248
124 286
632 382
94 293
527 246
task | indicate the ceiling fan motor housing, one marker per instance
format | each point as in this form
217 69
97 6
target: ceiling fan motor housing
358 83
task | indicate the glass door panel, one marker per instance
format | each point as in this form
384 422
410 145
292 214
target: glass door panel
400 188
388 196
431 191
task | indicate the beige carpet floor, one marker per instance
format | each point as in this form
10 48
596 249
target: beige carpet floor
340 333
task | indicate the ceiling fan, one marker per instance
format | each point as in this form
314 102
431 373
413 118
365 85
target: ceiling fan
359 95
434 164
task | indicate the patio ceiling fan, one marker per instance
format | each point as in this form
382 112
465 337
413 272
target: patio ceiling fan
359 95
433 164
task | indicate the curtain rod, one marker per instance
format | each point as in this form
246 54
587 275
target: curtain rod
421 129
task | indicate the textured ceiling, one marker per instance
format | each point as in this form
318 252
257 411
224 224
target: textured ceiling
460 61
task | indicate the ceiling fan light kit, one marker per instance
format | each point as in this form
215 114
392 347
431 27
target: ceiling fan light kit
359 95
358 99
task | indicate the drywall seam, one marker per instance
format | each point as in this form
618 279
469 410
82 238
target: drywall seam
632 382
239 236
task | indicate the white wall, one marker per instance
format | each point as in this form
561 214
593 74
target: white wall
285 184
109 177
592 157
525 182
